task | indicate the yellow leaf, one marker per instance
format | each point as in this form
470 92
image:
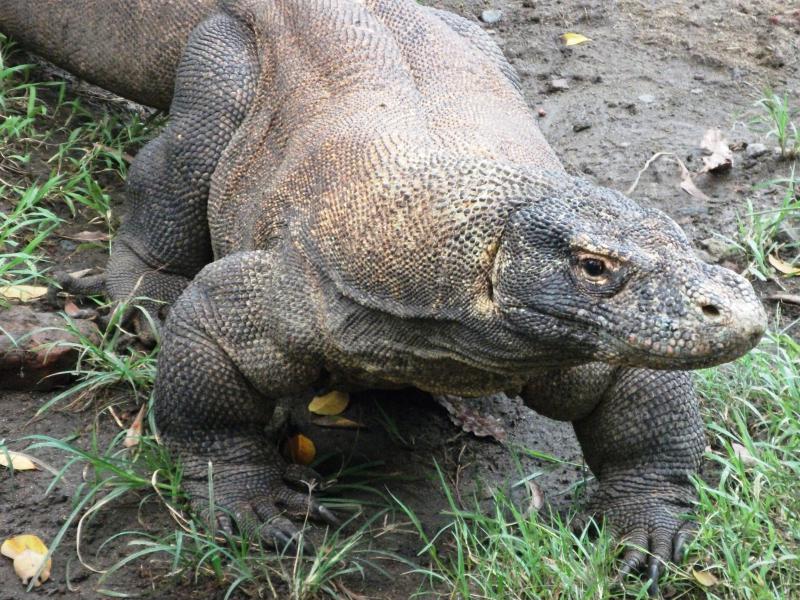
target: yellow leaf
705 578
573 39
783 266
23 293
27 552
301 449
135 430
336 422
19 461
332 403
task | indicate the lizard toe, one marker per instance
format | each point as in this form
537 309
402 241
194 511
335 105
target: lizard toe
299 505
684 535
302 477
635 552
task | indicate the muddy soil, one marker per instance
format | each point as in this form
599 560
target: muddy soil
654 77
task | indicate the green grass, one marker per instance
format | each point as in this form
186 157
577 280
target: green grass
749 537
114 475
74 154
761 233
775 114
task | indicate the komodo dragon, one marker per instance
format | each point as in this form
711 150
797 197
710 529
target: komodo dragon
354 194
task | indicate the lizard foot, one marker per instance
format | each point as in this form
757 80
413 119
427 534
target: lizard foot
259 501
649 527
143 315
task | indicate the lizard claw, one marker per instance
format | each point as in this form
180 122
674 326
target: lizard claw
256 500
652 534
324 514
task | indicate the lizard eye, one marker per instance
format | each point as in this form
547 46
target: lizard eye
594 268
598 274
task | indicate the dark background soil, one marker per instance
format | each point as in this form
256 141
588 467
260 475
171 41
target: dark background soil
654 78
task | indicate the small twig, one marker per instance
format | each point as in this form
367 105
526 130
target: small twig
783 297
646 166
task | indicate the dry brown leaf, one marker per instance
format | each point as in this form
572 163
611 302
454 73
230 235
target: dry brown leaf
23 293
332 403
783 266
336 422
79 274
28 552
536 496
301 449
19 461
134 433
573 39
88 236
705 578
472 421
743 454
687 185
720 157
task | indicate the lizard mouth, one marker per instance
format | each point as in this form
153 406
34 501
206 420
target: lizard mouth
705 338
725 346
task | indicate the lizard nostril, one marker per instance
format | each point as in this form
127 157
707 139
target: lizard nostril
711 311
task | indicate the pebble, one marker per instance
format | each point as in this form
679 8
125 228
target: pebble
581 126
559 85
491 16
756 150
67 246
647 98
718 249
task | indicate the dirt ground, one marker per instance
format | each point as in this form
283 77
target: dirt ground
654 77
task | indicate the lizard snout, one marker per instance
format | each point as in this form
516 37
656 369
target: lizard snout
726 302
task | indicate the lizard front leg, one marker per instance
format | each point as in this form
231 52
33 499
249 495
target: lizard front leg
219 373
642 436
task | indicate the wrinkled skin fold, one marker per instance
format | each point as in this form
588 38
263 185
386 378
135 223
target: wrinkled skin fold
357 195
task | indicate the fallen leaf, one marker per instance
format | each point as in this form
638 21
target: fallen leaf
23 293
720 156
687 184
332 403
536 498
88 236
27 551
301 449
19 461
336 422
705 578
465 416
743 454
783 266
134 433
573 39
79 274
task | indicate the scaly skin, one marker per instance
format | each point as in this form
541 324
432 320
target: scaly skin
381 211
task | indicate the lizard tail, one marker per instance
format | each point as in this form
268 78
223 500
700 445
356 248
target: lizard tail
131 47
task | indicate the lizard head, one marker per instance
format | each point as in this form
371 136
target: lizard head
585 270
